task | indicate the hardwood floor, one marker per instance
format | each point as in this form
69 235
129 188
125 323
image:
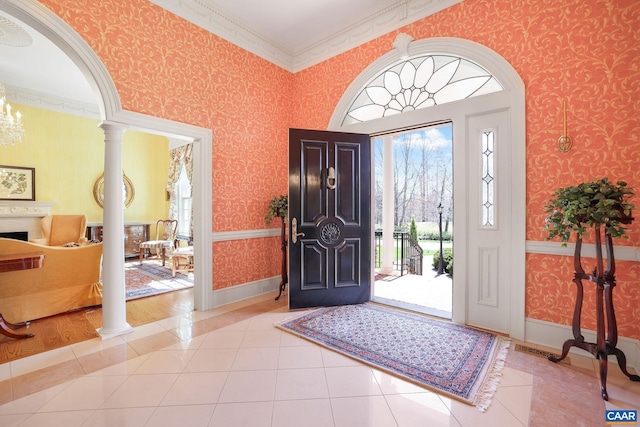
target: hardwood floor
80 325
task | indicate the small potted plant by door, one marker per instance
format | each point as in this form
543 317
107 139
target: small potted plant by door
279 207
577 209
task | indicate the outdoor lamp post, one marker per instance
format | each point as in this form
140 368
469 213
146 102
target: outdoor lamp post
441 260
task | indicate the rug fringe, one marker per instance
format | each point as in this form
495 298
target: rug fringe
492 380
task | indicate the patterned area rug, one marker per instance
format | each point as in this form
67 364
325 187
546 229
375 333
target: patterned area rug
451 359
151 278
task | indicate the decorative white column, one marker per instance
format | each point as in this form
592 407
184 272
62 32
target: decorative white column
388 206
114 308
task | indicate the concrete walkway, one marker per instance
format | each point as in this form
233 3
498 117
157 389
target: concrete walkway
428 293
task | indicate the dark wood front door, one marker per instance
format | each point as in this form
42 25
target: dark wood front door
329 218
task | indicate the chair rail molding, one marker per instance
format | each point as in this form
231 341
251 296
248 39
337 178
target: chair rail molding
623 253
223 236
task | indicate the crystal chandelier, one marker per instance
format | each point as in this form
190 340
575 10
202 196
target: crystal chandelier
10 129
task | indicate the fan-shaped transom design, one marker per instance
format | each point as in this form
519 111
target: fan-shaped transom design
420 82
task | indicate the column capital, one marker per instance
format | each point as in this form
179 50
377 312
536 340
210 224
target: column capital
112 131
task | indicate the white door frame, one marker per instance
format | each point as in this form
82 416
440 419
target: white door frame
511 98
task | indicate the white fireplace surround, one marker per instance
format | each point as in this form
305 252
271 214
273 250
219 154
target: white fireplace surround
18 215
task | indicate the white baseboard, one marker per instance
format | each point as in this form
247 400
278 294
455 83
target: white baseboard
245 291
554 335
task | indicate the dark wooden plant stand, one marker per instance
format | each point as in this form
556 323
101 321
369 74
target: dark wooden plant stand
285 279
605 282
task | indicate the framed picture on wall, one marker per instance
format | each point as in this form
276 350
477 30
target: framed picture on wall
17 183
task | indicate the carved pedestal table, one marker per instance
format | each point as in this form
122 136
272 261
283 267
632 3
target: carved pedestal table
605 282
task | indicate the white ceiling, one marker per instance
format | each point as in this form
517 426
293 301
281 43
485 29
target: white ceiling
294 34
293 25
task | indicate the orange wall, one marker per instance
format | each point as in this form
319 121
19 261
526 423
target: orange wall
167 67
586 52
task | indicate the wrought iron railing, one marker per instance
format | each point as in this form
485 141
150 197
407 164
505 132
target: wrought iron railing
408 254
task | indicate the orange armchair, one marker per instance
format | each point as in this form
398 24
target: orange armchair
58 230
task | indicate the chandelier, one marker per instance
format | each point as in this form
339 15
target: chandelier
10 129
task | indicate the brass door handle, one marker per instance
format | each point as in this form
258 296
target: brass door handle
294 231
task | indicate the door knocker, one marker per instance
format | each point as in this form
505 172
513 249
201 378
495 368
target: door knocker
331 179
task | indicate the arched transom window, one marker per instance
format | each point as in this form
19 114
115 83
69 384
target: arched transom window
420 82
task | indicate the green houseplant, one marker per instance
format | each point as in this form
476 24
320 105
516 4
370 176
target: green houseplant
278 207
575 209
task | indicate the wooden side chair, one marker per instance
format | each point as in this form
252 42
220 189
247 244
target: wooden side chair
165 240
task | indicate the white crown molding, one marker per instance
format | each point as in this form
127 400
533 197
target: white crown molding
46 101
366 28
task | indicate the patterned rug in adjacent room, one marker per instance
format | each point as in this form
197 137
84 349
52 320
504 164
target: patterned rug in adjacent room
451 359
151 278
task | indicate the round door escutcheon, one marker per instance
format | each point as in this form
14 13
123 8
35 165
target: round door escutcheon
330 233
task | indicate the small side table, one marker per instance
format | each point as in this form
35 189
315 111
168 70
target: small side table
605 282
18 262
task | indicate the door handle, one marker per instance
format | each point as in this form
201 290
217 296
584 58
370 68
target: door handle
294 231
331 178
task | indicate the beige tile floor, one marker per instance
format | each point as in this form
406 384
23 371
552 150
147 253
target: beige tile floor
218 368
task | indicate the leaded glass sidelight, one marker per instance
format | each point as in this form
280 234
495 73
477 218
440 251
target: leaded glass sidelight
488 202
420 82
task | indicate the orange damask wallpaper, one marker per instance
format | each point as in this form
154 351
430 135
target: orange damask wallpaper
167 67
584 52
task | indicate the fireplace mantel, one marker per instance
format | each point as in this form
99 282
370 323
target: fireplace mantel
19 208
23 215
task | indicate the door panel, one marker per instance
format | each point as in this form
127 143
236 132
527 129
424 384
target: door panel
329 196
348 263
347 203
314 206
315 273
489 295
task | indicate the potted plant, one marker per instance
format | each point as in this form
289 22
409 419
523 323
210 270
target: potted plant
575 209
279 207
